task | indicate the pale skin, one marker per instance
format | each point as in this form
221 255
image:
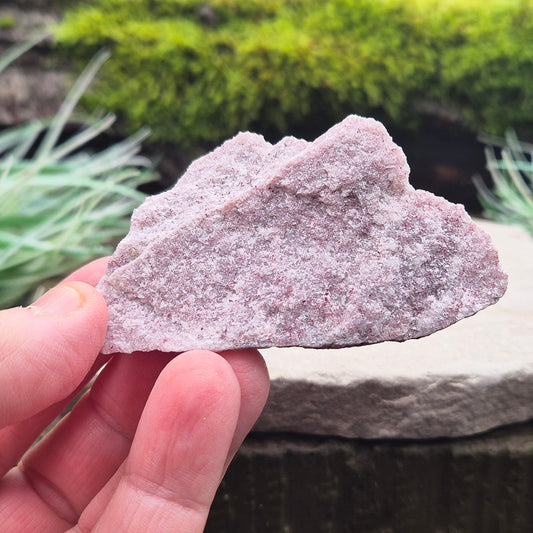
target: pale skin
146 447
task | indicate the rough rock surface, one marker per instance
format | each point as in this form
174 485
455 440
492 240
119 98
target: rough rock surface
471 377
321 244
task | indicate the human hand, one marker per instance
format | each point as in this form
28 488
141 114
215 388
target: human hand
144 450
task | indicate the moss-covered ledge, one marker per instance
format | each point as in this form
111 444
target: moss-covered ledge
197 71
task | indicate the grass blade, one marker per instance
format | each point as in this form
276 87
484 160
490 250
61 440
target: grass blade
71 100
19 49
510 164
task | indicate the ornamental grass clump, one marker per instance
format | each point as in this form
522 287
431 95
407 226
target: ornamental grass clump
510 163
60 204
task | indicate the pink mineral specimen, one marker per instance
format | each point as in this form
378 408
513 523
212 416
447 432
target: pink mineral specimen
322 244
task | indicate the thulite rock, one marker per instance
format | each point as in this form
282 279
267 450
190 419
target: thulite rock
296 244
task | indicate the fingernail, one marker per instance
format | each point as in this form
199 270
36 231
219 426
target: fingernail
60 300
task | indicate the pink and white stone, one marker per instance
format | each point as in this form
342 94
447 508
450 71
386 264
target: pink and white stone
322 244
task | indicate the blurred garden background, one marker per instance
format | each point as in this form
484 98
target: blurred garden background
436 73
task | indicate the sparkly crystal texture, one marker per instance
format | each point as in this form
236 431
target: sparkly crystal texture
322 244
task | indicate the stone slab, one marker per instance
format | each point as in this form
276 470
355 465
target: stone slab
473 376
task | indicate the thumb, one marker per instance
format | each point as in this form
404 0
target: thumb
47 349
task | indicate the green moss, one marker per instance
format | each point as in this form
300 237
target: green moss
486 62
7 22
197 71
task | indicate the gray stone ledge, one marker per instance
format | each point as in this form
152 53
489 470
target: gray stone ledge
466 379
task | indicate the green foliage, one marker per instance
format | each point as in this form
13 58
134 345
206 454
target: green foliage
60 205
198 71
510 163
7 22
486 62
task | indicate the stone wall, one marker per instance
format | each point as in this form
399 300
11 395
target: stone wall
295 484
33 86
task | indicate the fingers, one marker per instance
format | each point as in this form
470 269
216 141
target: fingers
17 438
76 460
180 449
22 511
48 348
73 463
252 374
